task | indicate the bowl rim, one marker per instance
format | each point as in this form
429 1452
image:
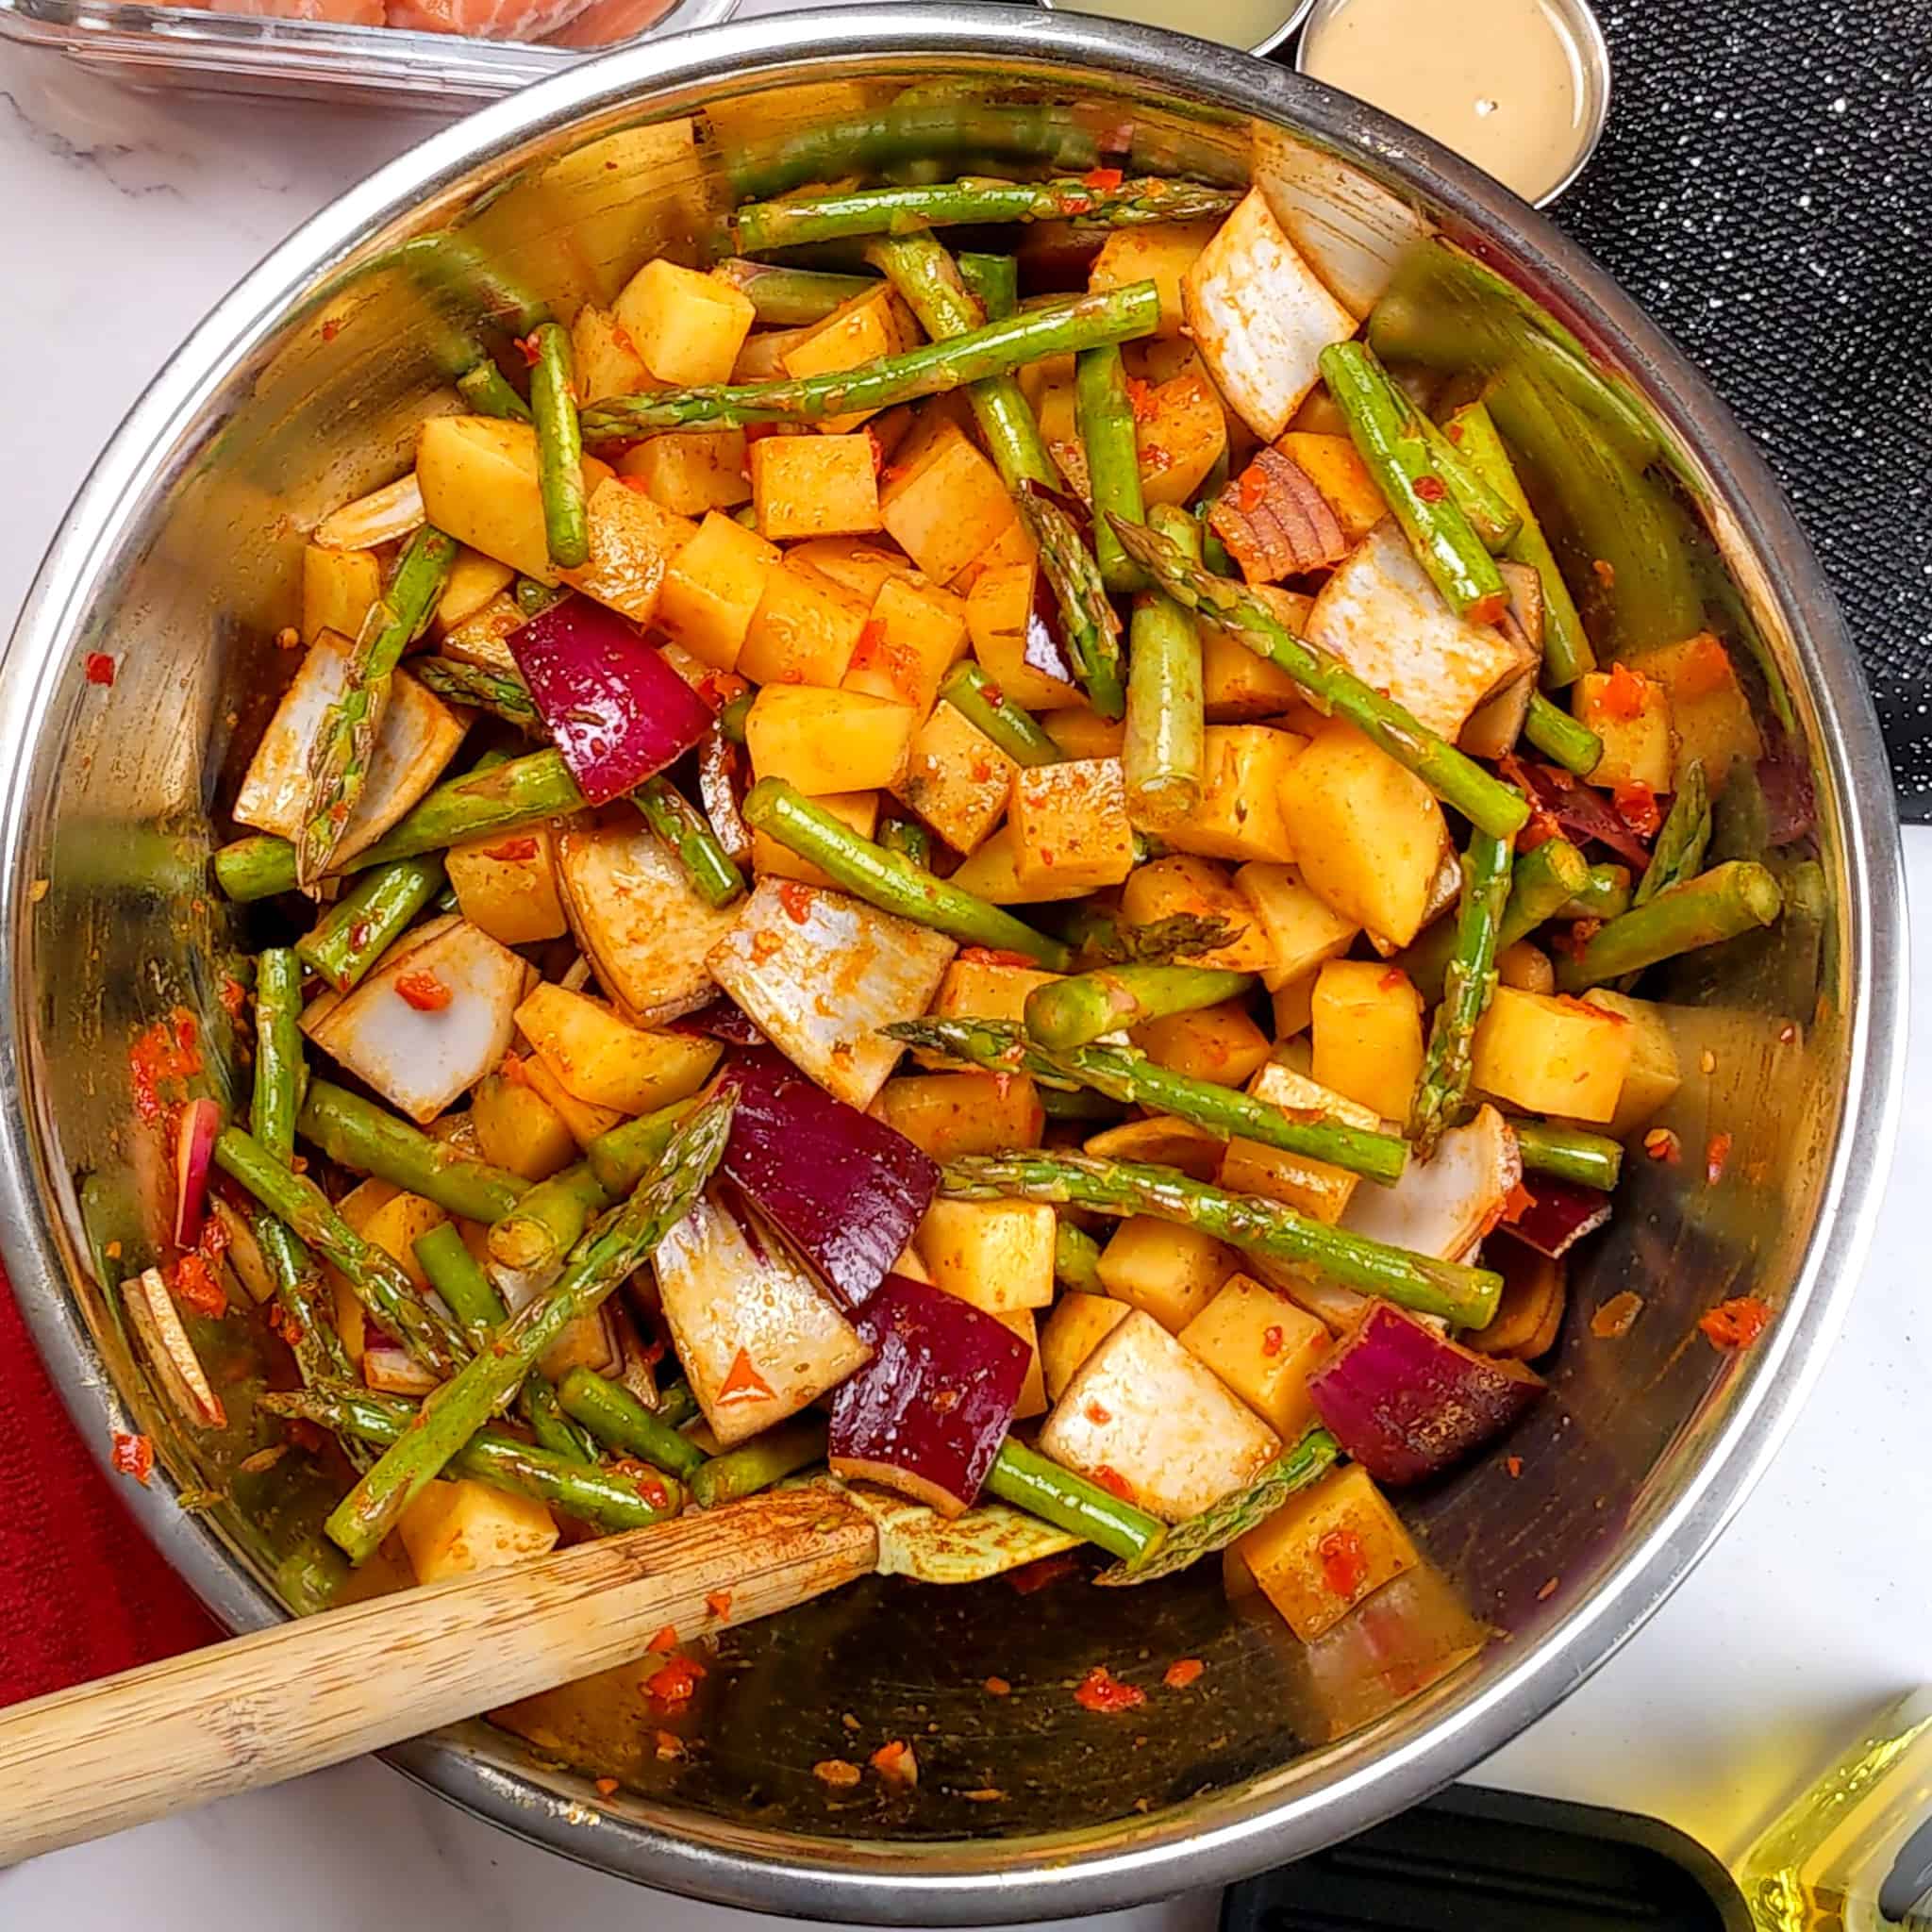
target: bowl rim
1395 1763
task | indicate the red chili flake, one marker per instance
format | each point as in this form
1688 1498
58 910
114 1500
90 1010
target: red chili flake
1113 1482
719 1603
998 1687
1705 668
1140 399
1032 1577
1101 1690
896 1763
1575 939
1273 1341
1077 205
796 900
1624 694
996 955
1183 1672
870 637
1635 804
606 1787
198 1289
159 1054
670 1747
745 1383
992 695
233 995
1098 1415
1429 489
1736 1323
528 347
665 1641
837 1772
763 944
100 668
423 991
1101 180
331 329
133 1456
1548 1591
1615 1318
672 1686
1344 1562
512 851
1715 1155
1661 1144
1513 1464
1253 489
1605 571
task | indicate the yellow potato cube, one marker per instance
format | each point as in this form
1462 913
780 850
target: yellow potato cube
1162 1140
997 1255
1709 708
868 326
1526 967
827 740
713 588
473 580
803 631
606 1061
479 639
1631 713
1263 1347
770 859
1161 254
632 542
1332 465
1078 1325
1302 929
1011 546
518 1129
1167 1271
945 506
692 471
687 327
1180 434
457 1528
1240 815
604 360
1550 1054
947 1115
1327 1549
584 1121
1238 687
1025 1324
814 486
1654 1075
1314 1187
478 478
1368 835
957 779
1217 1044
986 989
395 1226
1165 888
1081 733
915 635
507 883
999 611
854 564
1294 1005
1070 824
338 588
588 1343
1368 1034
992 874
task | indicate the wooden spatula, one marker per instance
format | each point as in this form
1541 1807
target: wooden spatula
256 1709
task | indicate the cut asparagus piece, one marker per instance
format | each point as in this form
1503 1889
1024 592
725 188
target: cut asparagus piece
1543 882
1733 898
686 831
494 691
1467 982
1682 839
1106 417
279 1068
362 1137
1028 1481
1079 1009
560 449
358 929
790 298
1560 737
621 1421
549 1221
488 391
1163 754
756 1465
1017 732
452 1270
1572 1154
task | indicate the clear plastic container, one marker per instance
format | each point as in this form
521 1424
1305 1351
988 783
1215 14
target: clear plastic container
183 48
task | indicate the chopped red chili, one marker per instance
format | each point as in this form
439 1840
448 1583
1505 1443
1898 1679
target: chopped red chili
133 1456
745 1383
197 1289
1737 1322
1113 1482
1273 1341
719 1603
100 668
1635 804
672 1684
1344 1562
896 1763
796 900
1102 179
1183 1672
1101 1690
1429 489
666 1639
512 851
1624 694
423 991
1715 1155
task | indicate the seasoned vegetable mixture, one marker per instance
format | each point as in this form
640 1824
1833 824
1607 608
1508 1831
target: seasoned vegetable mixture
1047 922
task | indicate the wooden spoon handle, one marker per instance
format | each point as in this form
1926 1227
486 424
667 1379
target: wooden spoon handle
256 1709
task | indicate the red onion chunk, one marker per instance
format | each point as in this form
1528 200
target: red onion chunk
194 1147
927 1414
1407 1402
845 1190
1581 814
1790 799
1559 1215
723 1019
616 710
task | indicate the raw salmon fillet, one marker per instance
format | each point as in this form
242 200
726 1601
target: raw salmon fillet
485 20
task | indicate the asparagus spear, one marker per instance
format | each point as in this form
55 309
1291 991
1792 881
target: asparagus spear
1468 985
1075 1010
979 700
308 1320
790 298
488 391
1222 1522
376 1281
1604 894
1028 1481
1164 750
763 226
466 1292
1114 316
676 1405
605 1498
993 278
517 792
560 449
339 757
1106 418
279 1068
1682 839
531 597
620 1421
1717 904
1103 938
689 834
1465 1296
553 1429
470 684
1078 1104
1572 1154
1498 808
1076 1259
1126 1075
909 840
1543 881
1559 737
886 880
1489 514
755 1465
1386 430
602 1260
356 931
371 1140
1092 629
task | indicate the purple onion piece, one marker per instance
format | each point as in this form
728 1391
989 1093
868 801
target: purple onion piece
1581 813
720 1019
1790 799
1560 1214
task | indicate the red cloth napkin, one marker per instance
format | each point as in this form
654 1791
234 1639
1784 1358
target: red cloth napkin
82 1593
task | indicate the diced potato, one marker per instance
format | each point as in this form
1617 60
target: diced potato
687 328
1368 835
986 989
1263 1347
603 1059
854 564
1180 434
1169 1272
770 859
518 1129
1294 1005
993 873
1550 1054
1315 1188
999 613
1302 929
473 579
1218 1044
948 1115
588 1343
827 740
1327 1549
822 986
1631 713
1058 410
1380 614
1143 1415
419 1056
585 1121
957 779
1651 1080
1078 1325
692 471
1260 317
1025 1324
1237 687
1162 1140
1332 465
763 359
1526 967
632 542
1070 824
638 919
1162 255
338 588
803 631
1709 707
1081 733
869 326
1012 545
758 1337
1368 1034
394 1228
507 884
604 360
915 635
713 588
946 506
481 639
457 1528
1183 884
814 486
997 1255
1240 815
478 476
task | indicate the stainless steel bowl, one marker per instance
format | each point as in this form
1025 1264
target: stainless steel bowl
179 559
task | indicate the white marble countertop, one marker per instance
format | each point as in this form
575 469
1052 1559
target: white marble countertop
121 220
